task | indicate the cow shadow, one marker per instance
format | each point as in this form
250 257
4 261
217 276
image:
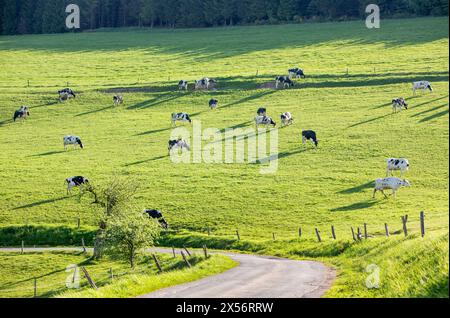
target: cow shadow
355 206
145 161
357 189
7 121
95 111
43 202
50 153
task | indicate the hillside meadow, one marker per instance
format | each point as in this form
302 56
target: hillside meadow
353 73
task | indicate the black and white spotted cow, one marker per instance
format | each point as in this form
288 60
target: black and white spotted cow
72 140
296 72
65 94
394 164
204 83
398 104
285 80
178 144
22 113
156 214
78 181
264 120
422 85
309 135
286 119
213 103
261 111
182 117
117 99
183 85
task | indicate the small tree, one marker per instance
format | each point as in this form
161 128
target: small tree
128 234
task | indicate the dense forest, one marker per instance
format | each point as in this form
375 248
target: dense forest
48 16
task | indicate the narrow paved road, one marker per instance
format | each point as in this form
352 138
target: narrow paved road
254 277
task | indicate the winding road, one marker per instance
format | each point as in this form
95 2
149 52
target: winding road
255 277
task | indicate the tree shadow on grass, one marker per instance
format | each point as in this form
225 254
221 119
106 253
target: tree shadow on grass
4 122
355 206
437 115
145 161
429 110
281 155
38 203
357 189
153 131
160 99
250 98
369 120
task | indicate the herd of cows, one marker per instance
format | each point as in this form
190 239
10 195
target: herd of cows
382 184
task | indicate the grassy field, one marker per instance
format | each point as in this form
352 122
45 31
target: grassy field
351 114
17 273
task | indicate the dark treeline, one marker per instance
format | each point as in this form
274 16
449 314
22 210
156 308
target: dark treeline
48 16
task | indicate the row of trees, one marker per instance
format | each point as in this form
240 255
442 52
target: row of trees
48 16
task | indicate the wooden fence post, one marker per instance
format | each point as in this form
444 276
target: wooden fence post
238 236
187 251
111 273
82 244
185 259
88 277
257 72
158 265
35 288
22 248
300 231
273 236
353 234
78 223
205 251
404 220
333 233
386 228
422 223
365 231
173 252
28 83
318 234
359 234
209 231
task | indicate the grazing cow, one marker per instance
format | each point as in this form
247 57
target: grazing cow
65 94
261 111
204 83
389 183
183 85
264 120
422 85
297 72
398 104
213 103
183 117
178 144
285 80
117 99
76 182
23 112
286 118
311 136
393 164
156 214
72 140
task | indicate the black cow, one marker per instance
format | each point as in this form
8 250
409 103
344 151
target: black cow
213 103
23 113
311 136
156 214
285 80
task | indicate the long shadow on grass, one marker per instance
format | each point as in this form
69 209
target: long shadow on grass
369 120
249 98
4 122
160 99
355 206
50 153
95 111
153 131
437 115
38 203
357 188
281 155
430 110
145 161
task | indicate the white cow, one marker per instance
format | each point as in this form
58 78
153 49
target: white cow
422 85
78 181
183 85
398 104
389 183
183 117
117 99
178 144
393 164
